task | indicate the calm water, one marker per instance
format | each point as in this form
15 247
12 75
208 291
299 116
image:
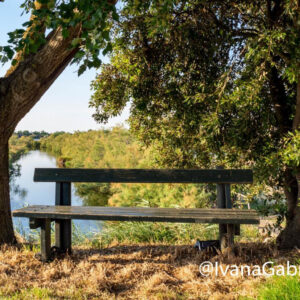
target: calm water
41 193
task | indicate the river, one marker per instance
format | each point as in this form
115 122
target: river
24 192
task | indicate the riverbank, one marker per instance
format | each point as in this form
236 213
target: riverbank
141 271
17 148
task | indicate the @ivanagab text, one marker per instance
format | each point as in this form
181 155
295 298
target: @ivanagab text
208 268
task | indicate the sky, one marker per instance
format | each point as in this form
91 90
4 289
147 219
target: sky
64 107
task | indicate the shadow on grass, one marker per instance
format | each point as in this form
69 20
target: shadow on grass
243 253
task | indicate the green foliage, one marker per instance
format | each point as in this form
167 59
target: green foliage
214 84
291 152
161 195
95 149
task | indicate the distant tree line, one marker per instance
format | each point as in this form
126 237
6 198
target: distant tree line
33 134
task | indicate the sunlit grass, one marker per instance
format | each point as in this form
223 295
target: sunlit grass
32 293
278 288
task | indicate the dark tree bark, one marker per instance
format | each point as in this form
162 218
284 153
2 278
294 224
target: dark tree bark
20 90
6 228
290 236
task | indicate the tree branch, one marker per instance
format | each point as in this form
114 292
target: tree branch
33 76
29 32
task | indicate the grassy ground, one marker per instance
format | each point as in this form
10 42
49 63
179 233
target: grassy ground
121 268
122 272
278 288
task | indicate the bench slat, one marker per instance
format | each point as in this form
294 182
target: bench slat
143 175
215 216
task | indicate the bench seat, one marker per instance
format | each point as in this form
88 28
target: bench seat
182 215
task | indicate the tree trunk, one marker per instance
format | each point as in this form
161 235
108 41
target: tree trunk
290 236
6 227
20 90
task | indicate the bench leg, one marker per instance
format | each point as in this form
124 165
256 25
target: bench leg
226 235
63 235
63 228
237 229
230 235
223 236
45 239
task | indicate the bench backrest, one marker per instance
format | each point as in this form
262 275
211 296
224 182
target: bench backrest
64 178
144 175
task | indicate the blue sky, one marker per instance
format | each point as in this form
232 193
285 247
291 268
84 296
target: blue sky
65 105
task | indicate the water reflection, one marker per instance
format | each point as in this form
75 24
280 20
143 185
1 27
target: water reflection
93 194
24 191
14 172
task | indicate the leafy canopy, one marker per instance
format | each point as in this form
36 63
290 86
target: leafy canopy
93 17
209 82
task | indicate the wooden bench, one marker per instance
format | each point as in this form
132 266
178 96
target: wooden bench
62 213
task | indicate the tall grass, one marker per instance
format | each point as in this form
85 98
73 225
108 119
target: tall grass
166 233
145 232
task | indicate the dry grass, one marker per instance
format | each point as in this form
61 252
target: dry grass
130 272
